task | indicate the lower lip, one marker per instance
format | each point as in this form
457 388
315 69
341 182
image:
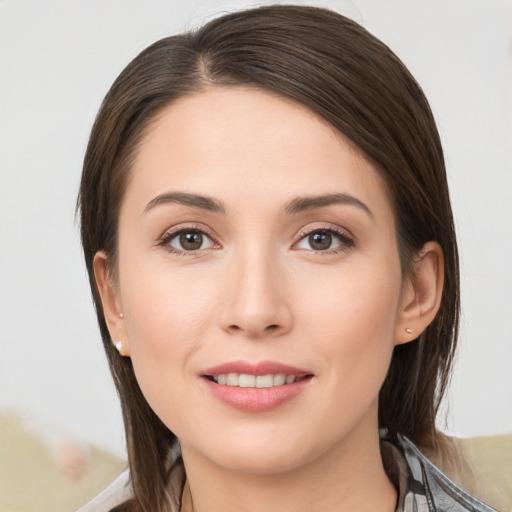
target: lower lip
256 399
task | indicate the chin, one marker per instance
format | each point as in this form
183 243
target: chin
258 452
261 460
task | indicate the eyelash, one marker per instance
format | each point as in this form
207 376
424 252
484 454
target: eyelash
346 241
170 235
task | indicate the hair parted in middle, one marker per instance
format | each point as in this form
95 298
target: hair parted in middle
338 70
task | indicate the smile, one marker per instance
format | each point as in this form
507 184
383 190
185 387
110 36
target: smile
244 380
257 387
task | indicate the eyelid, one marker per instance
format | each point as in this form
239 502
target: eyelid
344 235
170 233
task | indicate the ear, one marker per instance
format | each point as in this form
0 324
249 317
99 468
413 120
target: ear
421 294
112 310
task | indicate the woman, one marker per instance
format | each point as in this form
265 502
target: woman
270 245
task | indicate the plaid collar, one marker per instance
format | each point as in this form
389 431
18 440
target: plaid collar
422 487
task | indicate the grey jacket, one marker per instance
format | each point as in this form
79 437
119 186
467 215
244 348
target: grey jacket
421 486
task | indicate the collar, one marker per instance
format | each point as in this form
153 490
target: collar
422 487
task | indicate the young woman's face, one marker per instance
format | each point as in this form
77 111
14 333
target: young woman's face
257 248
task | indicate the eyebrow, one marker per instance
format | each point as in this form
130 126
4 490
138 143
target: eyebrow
194 200
301 204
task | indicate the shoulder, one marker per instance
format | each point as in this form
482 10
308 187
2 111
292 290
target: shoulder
115 494
423 486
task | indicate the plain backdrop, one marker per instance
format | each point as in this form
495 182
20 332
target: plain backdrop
58 59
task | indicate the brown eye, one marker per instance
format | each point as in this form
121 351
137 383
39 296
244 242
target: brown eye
324 240
320 241
190 240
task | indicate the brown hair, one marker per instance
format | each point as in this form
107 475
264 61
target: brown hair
338 70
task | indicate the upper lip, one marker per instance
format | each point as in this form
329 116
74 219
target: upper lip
259 368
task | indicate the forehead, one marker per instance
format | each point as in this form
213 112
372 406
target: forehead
240 143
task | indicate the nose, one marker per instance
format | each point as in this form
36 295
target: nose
256 303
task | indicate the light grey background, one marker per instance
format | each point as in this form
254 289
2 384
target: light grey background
57 60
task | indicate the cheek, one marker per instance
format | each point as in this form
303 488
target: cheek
362 299
166 314
352 317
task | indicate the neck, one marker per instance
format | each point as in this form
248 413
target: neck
347 478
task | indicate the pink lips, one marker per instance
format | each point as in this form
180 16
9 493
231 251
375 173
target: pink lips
256 399
261 368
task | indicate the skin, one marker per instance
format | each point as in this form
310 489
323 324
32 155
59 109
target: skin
258 290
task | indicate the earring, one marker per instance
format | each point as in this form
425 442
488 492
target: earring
119 346
408 330
121 315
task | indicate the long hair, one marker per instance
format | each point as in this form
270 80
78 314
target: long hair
341 72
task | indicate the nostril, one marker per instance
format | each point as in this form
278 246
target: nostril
253 330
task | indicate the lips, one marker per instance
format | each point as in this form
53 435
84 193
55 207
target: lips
256 387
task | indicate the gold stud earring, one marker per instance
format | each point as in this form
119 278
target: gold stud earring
408 330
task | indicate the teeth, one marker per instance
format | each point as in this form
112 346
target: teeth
279 379
264 381
244 380
232 379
